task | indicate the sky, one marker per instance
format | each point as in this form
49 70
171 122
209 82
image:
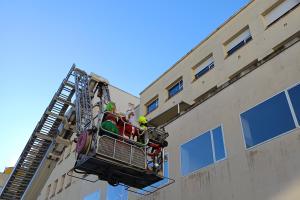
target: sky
129 42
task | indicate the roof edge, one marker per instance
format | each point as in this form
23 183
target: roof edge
193 49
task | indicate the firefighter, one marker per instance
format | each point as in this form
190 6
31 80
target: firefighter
143 122
110 119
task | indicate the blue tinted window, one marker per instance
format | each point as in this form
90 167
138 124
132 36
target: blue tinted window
116 193
199 153
239 45
152 106
176 88
93 196
295 99
218 143
267 120
196 154
204 70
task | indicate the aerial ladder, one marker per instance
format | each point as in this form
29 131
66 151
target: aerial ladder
42 141
118 159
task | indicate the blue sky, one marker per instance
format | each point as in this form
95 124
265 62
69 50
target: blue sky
129 42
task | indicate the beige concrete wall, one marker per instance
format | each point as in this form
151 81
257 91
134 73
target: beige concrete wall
3 178
267 171
122 99
263 42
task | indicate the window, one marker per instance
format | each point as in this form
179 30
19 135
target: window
294 94
93 196
219 149
267 120
175 88
152 106
116 193
278 10
202 151
204 67
238 41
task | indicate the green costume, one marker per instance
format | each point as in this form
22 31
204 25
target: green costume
109 126
110 120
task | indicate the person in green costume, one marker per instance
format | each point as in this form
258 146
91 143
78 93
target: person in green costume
110 119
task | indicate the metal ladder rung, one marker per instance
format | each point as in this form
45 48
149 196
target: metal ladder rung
25 171
64 101
55 115
63 96
14 196
19 183
69 84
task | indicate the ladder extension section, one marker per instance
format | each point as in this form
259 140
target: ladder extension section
84 113
41 140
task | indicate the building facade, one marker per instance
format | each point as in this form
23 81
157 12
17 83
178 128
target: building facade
231 108
4 176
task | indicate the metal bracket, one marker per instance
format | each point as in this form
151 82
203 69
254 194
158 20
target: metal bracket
80 177
147 192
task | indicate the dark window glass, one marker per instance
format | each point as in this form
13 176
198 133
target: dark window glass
204 70
295 99
218 143
176 88
196 154
267 120
239 45
152 106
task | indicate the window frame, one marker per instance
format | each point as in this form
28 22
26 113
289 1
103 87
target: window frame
213 150
173 85
240 45
271 8
156 98
210 66
280 135
297 123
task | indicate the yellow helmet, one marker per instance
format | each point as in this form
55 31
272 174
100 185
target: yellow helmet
142 120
